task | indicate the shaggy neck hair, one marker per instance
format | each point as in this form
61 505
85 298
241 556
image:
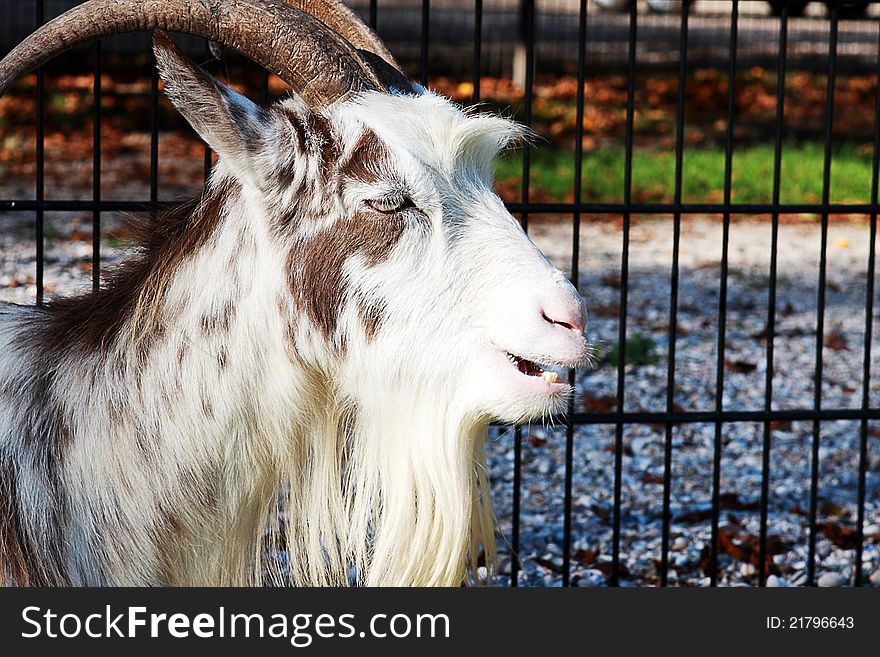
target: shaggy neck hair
395 499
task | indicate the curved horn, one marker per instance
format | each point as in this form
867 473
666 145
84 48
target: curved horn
347 24
314 60
352 29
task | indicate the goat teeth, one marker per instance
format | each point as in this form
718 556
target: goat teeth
549 377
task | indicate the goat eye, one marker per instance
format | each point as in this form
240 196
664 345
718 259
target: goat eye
391 204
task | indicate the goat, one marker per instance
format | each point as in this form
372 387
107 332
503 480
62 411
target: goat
338 317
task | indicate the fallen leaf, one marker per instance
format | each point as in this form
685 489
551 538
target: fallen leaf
746 548
603 404
585 557
836 341
611 281
740 366
605 310
732 501
611 447
537 441
602 512
843 537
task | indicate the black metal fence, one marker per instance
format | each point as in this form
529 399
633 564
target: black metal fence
580 209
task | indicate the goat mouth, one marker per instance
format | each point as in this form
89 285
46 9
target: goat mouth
530 368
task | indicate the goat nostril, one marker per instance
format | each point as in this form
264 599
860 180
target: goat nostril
561 323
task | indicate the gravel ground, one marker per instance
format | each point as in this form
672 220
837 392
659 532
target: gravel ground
68 254
695 372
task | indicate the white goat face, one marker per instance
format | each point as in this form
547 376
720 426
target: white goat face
406 276
469 305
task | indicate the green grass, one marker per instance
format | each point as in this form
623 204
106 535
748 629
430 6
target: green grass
640 350
653 176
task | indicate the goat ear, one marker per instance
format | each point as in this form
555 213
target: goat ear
228 122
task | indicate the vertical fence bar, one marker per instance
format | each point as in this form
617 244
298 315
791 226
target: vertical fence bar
516 506
517 432
722 293
673 295
771 295
478 49
574 276
528 26
40 192
209 66
374 13
426 24
527 111
866 382
154 129
517 480
869 335
614 580
96 171
820 304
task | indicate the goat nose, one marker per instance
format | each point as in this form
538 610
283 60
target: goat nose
571 315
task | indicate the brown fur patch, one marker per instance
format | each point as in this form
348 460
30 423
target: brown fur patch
220 320
172 544
371 318
322 136
15 569
366 160
31 538
314 137
173 524
209 490
32 511
299 129
316 265
176 532
146 445
132 298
